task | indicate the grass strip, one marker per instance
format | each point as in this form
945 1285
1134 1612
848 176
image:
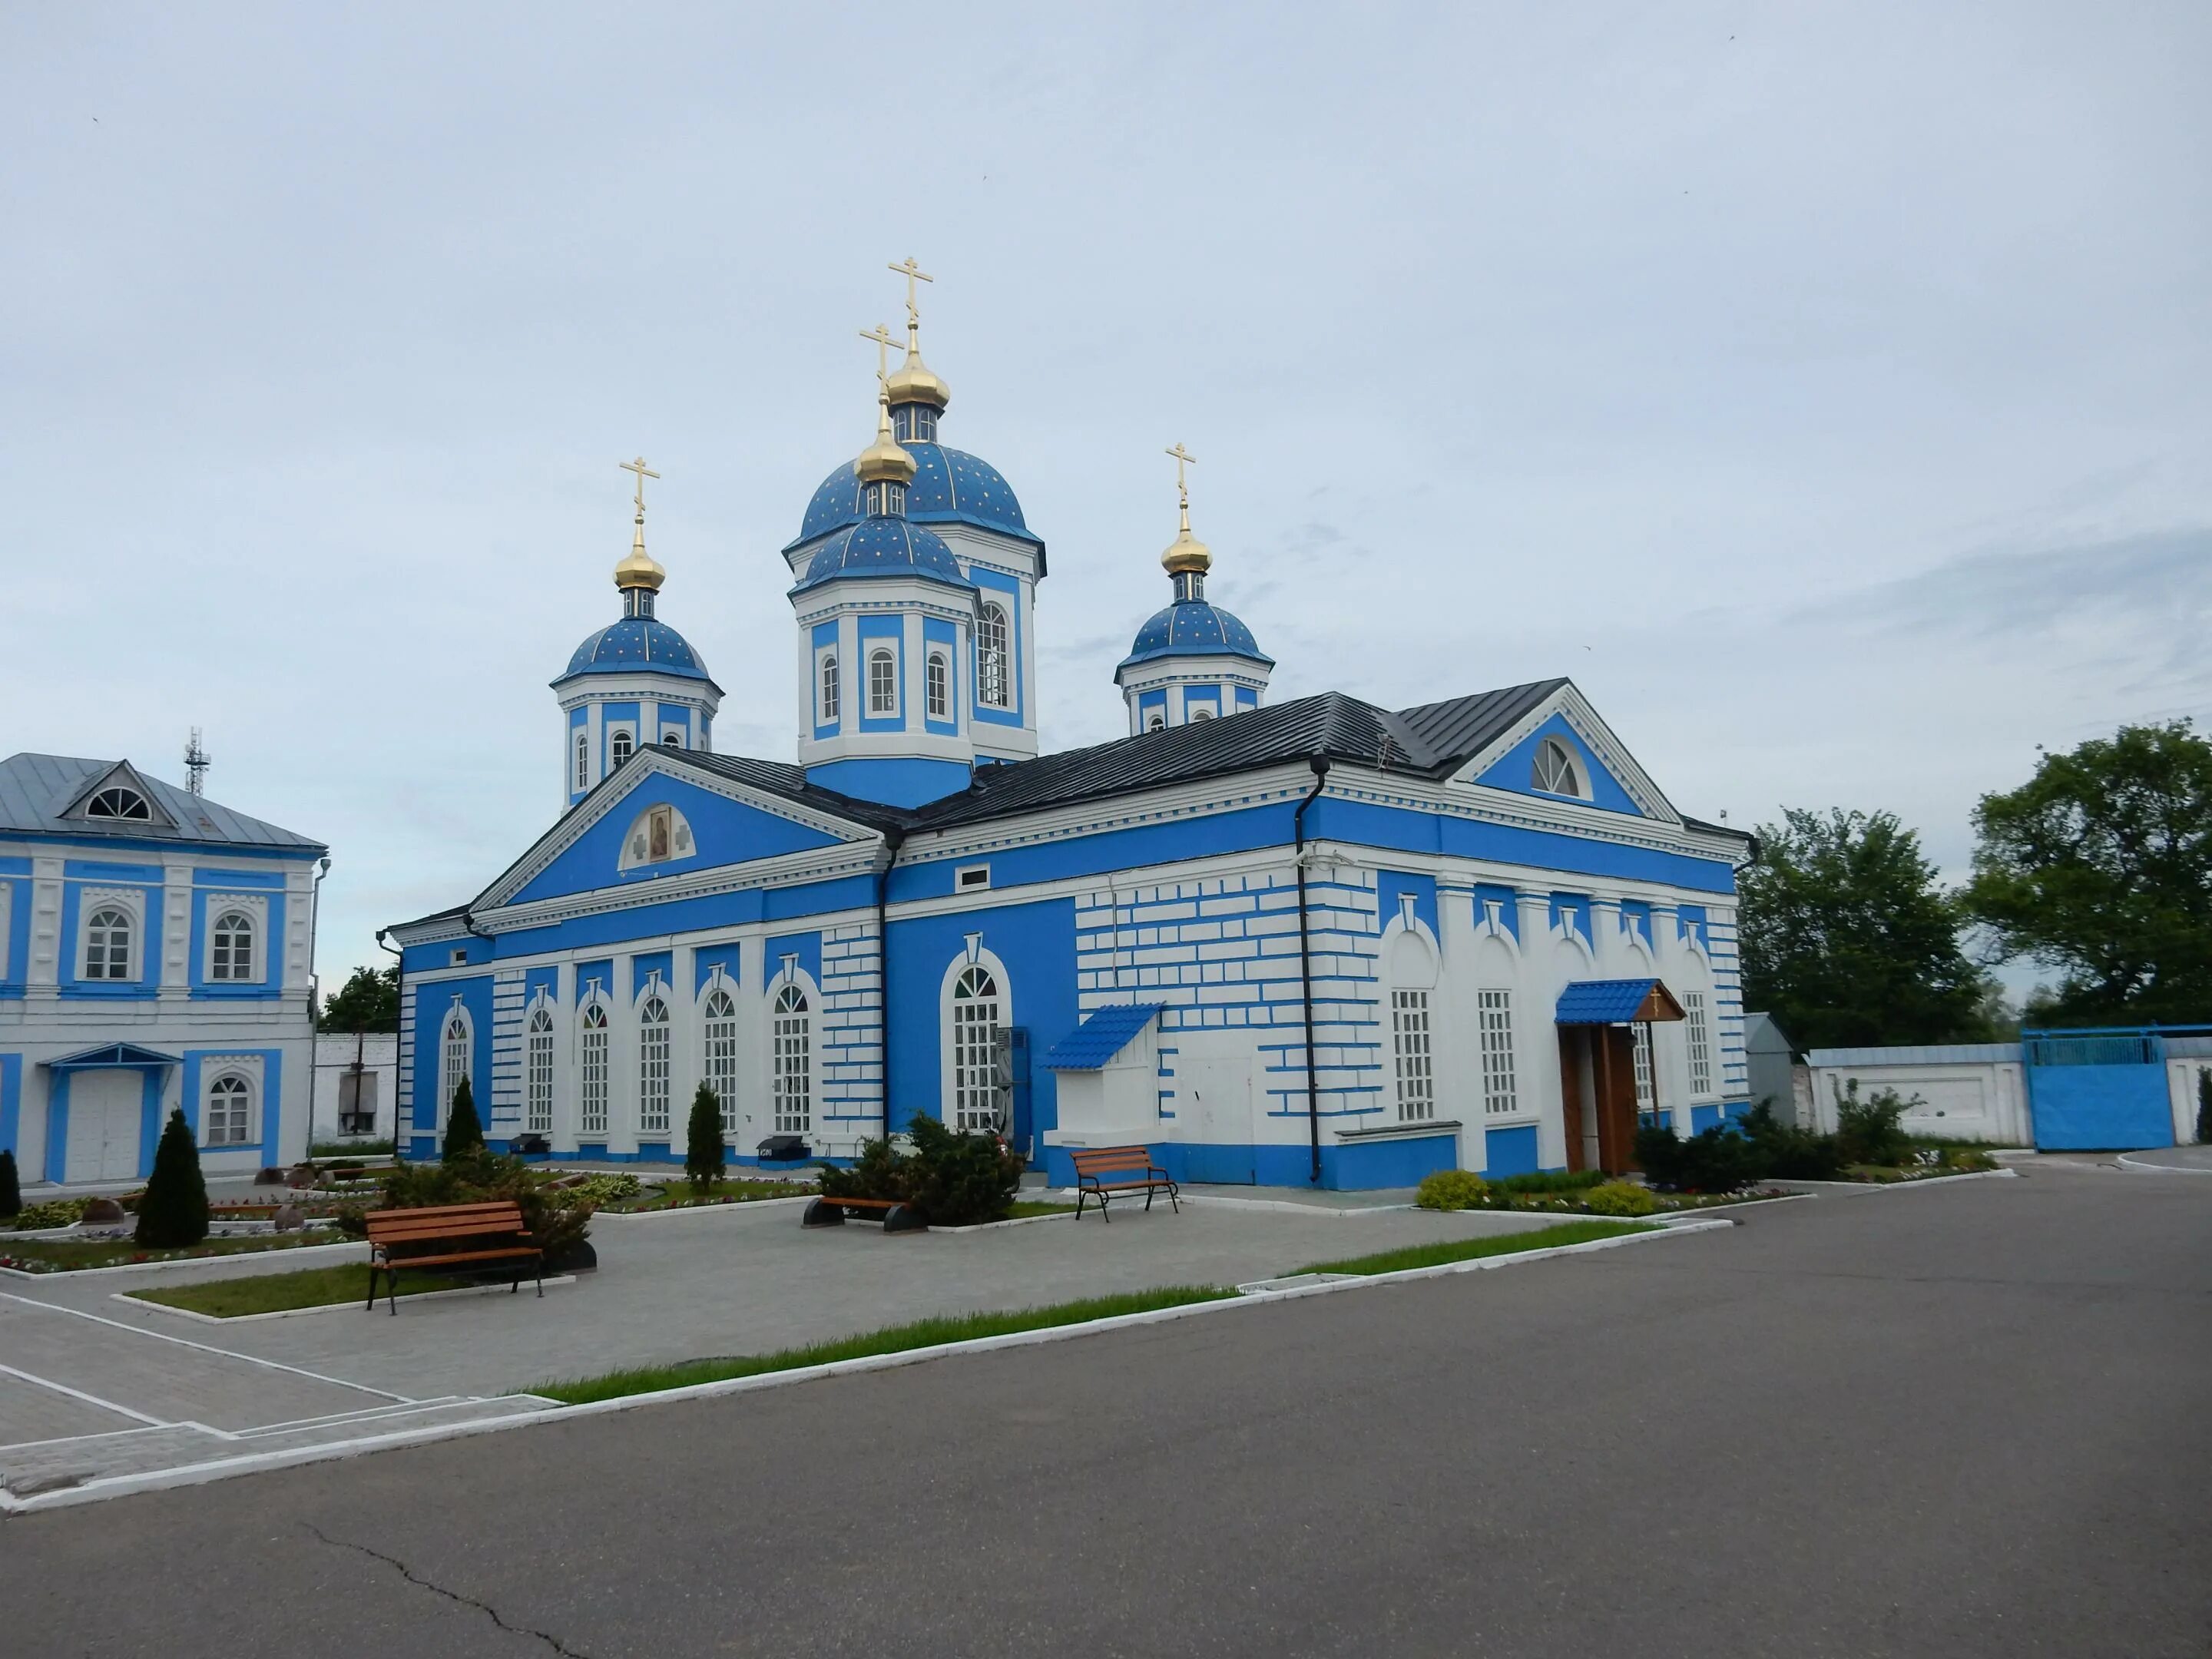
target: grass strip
1023 1207
313 1287
894 1339
1468 1249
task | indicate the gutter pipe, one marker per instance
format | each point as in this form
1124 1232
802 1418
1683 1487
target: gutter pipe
1319 764
894 839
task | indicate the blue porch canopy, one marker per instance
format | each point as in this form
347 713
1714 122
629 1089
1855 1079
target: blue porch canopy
1616 1002
1102 1036
111 1054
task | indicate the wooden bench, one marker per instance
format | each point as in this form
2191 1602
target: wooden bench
1097 1167
448 1236
898 1217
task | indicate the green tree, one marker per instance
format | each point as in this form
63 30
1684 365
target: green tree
2100 868
11 1190
368 1001
1847 938
703 1152
2204 1114
463 1128
172 1212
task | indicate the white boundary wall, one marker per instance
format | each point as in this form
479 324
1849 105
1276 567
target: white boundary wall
1973 1091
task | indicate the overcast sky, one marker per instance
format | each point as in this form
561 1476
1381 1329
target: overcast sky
1827 388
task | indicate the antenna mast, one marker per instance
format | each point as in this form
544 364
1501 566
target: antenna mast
195 765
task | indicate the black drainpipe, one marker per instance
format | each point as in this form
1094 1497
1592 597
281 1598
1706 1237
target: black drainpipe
893 840
1319 764
406 1063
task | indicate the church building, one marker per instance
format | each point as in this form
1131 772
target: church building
1314 942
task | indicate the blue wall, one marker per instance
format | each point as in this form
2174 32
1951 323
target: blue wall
1516 770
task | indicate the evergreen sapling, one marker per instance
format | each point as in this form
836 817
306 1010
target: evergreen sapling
173 1213
2203 1114
11 1190
704 1152
464 1129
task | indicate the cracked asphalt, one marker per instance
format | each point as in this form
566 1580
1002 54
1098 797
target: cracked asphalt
1966 1420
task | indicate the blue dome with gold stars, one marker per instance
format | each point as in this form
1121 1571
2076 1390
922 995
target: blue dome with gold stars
886 545
949 487
1194 628
637 645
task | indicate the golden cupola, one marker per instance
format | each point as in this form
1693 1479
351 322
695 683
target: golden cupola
1187 559
915 382
639 575
883 461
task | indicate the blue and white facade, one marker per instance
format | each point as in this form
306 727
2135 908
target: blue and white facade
1311 942
157 951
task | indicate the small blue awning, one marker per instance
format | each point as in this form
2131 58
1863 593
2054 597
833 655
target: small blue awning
1102 1036
112 1054
1616 1002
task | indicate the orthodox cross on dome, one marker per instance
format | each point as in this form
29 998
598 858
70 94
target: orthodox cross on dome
643 472
913 273
1183 457
885 341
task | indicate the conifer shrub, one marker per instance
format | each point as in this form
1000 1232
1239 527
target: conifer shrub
953 1180
1620 1198
1715 1160
2205 1102
463 1128
11 1189
1791 1153
880 1171
173 1213
704 1152
558 1217
1451 1189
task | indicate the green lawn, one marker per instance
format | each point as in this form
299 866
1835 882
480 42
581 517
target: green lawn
62 1256
1029 1207
896 1339
316 1287
1468 1249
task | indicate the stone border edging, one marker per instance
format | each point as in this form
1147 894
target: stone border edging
320 1307
2127 1163
1899 1186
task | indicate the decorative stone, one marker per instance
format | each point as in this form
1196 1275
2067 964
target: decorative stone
271 1177
102 1211
288 1218
303 1175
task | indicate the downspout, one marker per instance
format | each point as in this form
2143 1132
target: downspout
405 1065
1319 764
893 840
314 999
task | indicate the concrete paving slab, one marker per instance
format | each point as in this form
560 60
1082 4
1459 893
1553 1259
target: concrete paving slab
29 1411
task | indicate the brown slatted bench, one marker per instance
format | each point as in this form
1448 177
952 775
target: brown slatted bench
898 1217
448 1236
1094 1165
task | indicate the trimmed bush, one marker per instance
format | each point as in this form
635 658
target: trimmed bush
1791 1153
1550 1181
1715 1160
704 1152
11 1190
1872 1131
1451 1189
961 1178
557 1220
1620 1198
463 1128
173 1213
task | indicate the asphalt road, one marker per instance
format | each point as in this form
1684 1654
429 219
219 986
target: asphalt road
1973 1419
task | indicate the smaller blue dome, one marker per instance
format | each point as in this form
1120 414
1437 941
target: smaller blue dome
636 644
883 546
949 487
1192 628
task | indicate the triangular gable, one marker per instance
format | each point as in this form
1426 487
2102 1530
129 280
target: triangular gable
125 775
728 823
1614 782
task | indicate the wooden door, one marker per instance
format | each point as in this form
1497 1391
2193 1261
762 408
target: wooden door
1575 1096
1616 1097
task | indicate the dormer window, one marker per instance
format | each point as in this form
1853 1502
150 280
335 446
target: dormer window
914 423
120 803
886 497
1556 773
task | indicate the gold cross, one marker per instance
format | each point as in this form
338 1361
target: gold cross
643 472
882 336
1183 458
913 273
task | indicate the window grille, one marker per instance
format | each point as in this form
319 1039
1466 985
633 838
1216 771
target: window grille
455 1066
1555 771
653 1067
583 760
357 1102
233 952
991 656
829 689
119 803
229 1112
883 683
618 746
1647 1093
107 944
794 1062
1409 1037
1699 1031
538 1075
974 1038
939 687
592 1066
721 1068
1494 1016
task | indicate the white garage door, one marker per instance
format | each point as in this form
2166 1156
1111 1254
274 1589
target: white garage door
104 1110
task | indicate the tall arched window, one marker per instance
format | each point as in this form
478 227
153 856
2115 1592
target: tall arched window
976 1101
538 1073
721 1067
1409 1045
793 1055
107 944
618 748
991 665
653 1067
1556 773
228 1118
883 683
591 1071
453 1064
937 683
231 957
583 760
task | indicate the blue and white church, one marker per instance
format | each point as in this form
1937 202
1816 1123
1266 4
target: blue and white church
1315 942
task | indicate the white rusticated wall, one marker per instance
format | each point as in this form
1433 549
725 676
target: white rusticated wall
1972 1091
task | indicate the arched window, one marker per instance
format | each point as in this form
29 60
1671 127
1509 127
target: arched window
618 748
793 1078
653 1067
538 1073
937 683
1157 723
991 666
1409 1044
1556 773
120 803
721 1067
672 738
1203 712
232 954
883 683
591 1071
453 1065
1494 1019
107 944
583 760
229 1119
976 1101
829 688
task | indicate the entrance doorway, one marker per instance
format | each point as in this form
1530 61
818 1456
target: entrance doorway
1597 1078
105 1111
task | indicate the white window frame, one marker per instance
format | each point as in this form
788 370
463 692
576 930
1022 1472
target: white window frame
1646 1059
124 804
1565 762
974 1018
457 1045
131 903
622 744
583 747
1698 1035
237 1128
1413 1050
995 650
717 1058
594 1067
829 688
672 737
537 1069
255 909
1493 1012
937 680
883 683
655 1061
791 1078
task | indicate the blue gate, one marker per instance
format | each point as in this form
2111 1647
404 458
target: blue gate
2101 1090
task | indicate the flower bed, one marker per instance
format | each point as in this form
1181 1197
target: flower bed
62 1256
